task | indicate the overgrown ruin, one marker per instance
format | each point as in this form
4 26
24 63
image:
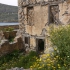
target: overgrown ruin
36 15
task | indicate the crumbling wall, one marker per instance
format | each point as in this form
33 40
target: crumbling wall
6 47
9 34
34 18
40 19
11 26
64 12
27 2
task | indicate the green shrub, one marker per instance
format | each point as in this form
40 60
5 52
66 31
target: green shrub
17 59
11 39
9 29
27 60
61 38
33 53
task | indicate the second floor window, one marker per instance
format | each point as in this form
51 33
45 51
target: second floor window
30 15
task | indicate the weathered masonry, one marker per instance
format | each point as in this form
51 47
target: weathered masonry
34 17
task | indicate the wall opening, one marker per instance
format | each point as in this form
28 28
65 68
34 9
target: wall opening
53 13
40 45
30 15
51 16
26 40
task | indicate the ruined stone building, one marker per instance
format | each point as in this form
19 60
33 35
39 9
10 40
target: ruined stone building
34 17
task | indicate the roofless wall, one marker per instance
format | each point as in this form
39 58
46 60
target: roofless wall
35 17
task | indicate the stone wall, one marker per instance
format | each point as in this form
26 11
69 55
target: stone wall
40 18
6 47
35 16
12 26
64 14
10 34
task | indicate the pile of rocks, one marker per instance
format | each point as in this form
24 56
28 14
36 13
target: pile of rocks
16 68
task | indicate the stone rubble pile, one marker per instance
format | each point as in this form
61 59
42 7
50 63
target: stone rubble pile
16 68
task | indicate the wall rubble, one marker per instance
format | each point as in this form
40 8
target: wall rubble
6 47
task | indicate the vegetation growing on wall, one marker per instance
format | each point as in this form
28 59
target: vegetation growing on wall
8 29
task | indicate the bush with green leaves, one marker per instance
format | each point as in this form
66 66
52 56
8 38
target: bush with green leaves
27 60
60 58
9 29
17 59
60 37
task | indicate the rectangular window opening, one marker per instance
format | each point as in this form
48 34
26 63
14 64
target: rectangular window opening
30 15
53 13
26 40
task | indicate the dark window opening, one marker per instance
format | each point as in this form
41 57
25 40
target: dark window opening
40 44
53 14
30 8
51 17
26 40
